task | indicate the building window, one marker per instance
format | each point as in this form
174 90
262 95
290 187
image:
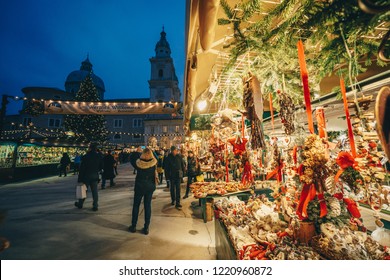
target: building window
152 130
137 122
177 129
165 129
137 136
54 122
117 136
160 73
118 123
27 121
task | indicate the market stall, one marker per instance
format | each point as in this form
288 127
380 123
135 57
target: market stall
262 123
32 160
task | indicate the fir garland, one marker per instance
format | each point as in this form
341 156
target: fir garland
335 30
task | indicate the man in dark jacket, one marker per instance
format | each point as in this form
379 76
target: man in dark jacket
108 169
192 171
64 162
175 171
165 163
91 165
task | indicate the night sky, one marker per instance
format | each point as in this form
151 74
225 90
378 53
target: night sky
42 41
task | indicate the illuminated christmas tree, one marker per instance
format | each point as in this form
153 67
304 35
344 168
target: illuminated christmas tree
91 128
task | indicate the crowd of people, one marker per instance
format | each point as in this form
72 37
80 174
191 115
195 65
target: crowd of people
150 167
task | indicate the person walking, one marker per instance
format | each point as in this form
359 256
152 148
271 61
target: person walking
76 162
91 165
192 171
64 162
175 170
165 168
108 169
160 163
145 185
116 158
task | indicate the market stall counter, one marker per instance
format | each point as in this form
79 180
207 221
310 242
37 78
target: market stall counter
208 192
33 160
253 230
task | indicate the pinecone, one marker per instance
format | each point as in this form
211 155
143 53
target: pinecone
334 206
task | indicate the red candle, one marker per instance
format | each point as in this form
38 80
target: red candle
305 82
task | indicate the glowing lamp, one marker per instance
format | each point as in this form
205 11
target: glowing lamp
202 105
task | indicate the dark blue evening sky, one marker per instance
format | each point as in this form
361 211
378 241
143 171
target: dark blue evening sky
42 41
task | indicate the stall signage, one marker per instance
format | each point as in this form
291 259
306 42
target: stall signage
108 108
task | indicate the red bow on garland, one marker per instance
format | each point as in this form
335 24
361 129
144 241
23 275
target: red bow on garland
344 160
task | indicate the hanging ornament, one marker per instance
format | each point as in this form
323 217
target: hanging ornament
253 104
286 113
239 145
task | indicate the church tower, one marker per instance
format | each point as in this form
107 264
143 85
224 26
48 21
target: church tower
163 81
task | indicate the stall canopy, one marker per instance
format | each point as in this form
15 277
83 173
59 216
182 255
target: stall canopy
209 42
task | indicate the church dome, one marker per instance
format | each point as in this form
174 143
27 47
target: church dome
162 47
74 79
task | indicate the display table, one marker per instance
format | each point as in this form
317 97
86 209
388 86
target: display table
243 195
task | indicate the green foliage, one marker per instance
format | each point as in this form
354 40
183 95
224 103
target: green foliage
313 212
333 135
91 128
333 32
351 177
202 122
